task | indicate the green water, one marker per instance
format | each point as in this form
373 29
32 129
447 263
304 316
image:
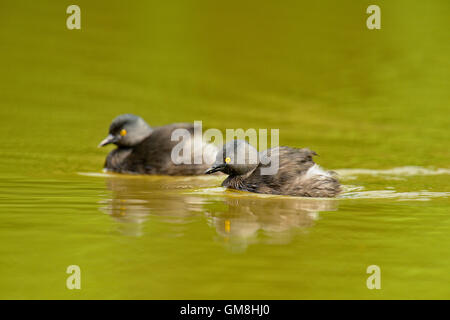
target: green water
373 104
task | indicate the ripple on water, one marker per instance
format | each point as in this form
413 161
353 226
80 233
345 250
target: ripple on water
349 191
406 171
398 173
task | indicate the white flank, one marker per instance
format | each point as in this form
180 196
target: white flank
316 171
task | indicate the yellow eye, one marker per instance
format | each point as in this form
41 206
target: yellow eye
123 132
227 159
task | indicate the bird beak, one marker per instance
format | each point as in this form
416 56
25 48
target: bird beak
109 139
215 168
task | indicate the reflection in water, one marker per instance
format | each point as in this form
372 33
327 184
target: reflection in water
135 198
246 220
239 218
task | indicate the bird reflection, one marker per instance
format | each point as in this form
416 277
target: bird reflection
246 220
136 199
240 219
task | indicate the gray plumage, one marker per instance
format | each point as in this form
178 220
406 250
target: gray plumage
146 150
297 173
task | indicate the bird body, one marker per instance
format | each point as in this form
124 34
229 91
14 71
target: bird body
152 152
297 174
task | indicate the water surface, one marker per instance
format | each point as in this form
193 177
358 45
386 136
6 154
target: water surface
373 104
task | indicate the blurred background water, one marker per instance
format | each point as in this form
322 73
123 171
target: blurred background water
373 104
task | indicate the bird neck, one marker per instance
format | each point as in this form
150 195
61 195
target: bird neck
236 181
